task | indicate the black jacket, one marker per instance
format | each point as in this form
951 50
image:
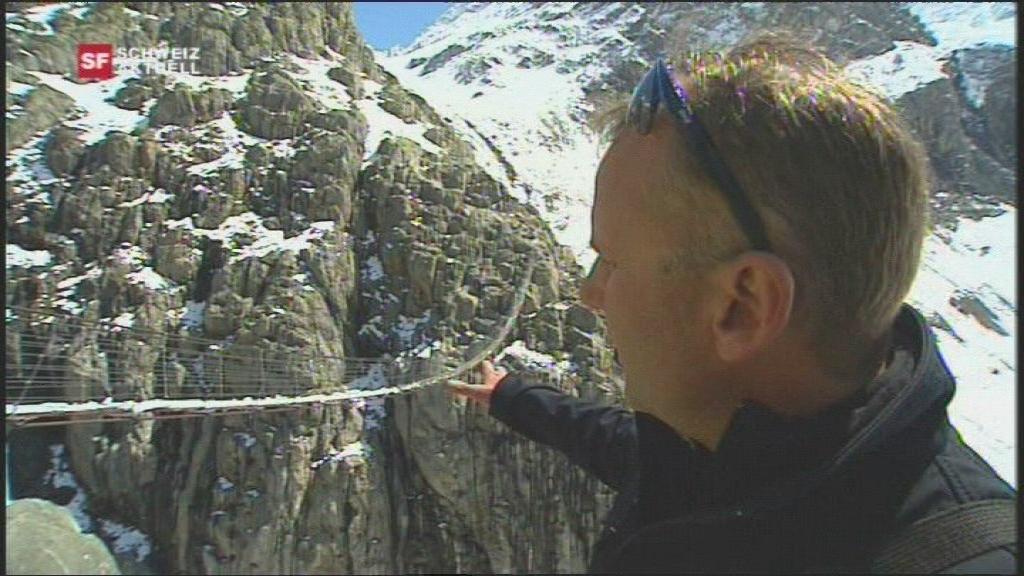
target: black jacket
820 494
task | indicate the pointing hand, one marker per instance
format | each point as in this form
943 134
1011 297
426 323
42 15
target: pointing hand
480 393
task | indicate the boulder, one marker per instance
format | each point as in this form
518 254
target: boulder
64 150
183 107
43 538
43 108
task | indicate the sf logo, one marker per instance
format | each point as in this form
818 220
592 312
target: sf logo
95 61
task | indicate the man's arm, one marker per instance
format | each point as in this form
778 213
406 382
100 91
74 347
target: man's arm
599 438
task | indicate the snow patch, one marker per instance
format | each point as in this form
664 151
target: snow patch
224 485
126 540
249 225
381 123
350 453
531 358
98 115
195 313
150 279
903 69
958 25
245 440
407 330
125 320
20 89
43 14
18 257
373 270
312 75
235 142
60 475
69 283
976 262
28 172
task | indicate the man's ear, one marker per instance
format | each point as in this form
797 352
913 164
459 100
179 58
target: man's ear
755 299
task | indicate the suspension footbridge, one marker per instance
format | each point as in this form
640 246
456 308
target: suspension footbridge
63 369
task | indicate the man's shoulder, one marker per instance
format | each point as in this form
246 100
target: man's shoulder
956 475
957 516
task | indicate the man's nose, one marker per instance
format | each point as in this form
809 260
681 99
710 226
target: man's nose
592 295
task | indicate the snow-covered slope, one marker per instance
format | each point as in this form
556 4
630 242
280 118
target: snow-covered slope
511 76
519 86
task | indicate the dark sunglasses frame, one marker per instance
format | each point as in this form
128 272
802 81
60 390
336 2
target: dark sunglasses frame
660 86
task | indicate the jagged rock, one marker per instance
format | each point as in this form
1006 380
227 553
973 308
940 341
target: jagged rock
225 313
422 267
545 276
63 150
465 307
176 261
275 107
971 305
961 169
396 100
131 226
16 73
583 318
250 36
394 211
451 473
457 149
116 152
132 96
54 54
493 302
136 92
352 123
986 76
43 108
329 156
43 538
347 78
431 192
442 57
183 107
298 28
535 59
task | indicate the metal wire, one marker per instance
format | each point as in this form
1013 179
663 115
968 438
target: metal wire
208 372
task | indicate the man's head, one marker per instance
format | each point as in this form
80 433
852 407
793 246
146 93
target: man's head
839 184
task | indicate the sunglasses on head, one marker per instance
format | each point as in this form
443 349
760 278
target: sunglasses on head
660 86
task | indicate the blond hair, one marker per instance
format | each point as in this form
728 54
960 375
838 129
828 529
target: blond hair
834 173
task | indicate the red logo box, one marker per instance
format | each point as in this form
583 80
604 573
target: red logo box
95 61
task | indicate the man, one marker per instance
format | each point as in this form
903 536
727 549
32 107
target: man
758 221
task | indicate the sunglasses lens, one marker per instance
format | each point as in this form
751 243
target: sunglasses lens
641 114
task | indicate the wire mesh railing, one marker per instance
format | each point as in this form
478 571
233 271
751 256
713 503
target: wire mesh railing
62 368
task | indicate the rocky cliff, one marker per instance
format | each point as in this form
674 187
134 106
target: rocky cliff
292 197
297 198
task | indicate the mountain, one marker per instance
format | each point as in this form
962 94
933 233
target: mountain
309 198
292 198
525 77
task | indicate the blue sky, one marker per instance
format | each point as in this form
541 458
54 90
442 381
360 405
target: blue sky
387 24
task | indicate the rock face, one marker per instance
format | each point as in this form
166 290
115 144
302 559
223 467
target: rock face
42 538
297 200
267 209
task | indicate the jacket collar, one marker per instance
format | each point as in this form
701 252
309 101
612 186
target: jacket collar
761 446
